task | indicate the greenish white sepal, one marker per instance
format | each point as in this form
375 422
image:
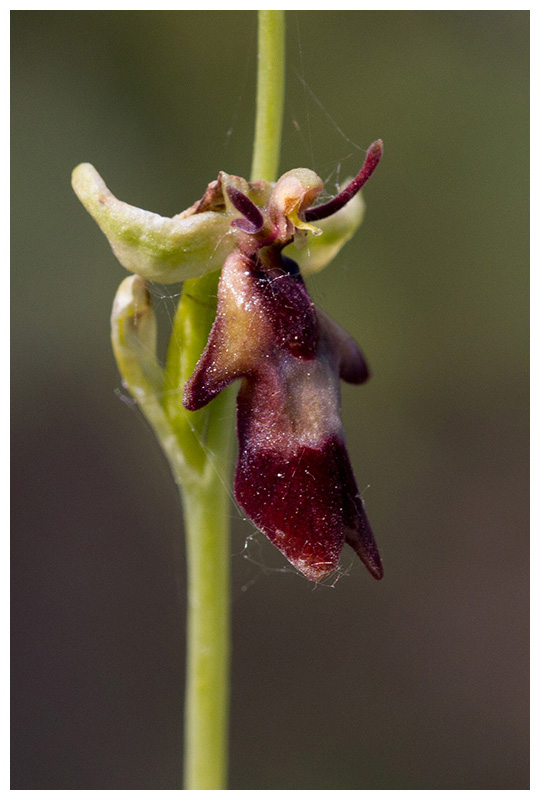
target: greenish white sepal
157 248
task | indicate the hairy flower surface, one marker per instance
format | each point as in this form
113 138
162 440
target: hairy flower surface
293 477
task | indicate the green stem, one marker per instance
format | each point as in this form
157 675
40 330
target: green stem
192 322
270 95
205 439
197 444
206 513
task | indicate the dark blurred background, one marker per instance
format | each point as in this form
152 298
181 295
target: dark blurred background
417 682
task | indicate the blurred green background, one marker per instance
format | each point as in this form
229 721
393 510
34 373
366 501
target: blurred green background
419 682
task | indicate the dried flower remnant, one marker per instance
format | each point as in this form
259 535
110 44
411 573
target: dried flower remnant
293 477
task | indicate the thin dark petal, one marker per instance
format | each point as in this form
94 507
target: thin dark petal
374 155
245 225
253 219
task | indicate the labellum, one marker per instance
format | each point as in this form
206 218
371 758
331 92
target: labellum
293 478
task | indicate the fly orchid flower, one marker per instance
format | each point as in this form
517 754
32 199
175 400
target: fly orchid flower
293 477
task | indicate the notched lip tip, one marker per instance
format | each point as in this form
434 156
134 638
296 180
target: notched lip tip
313 573
317 575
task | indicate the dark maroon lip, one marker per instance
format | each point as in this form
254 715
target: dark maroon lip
307 504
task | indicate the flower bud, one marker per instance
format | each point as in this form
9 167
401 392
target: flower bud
134 337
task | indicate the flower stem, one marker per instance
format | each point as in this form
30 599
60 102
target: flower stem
270 95
206 513
205 438
206 441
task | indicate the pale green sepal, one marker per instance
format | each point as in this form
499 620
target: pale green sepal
317 252
157 248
